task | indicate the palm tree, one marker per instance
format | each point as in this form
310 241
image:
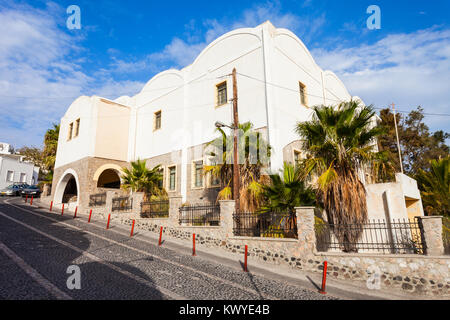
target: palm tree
435 187
283 194
141 179
340 143
287 191
254 153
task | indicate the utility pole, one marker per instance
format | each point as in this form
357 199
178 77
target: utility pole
398 140
236 170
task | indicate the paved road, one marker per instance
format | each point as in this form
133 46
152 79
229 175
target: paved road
37 247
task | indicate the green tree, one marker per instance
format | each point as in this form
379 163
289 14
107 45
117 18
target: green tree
340 142
418 145
254 153
141 179
49 152
287 191
35 156
435 187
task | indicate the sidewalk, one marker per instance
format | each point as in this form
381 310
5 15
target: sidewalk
348 289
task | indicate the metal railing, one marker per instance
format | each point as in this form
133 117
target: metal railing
123 204
378 236
200 215
265 225
155 209
97 200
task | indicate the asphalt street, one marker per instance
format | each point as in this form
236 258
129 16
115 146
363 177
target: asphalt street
37 248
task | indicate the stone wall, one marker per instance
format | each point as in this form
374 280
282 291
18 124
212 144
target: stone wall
417 274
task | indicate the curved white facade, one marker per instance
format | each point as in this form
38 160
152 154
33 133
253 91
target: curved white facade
271 63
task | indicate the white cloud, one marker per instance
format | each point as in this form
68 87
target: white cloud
409 69
40 73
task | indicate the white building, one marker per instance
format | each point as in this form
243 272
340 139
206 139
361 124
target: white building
14 170
172 118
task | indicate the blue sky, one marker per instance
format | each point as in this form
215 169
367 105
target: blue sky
44 66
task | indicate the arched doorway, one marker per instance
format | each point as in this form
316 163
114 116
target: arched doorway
68 188
109 179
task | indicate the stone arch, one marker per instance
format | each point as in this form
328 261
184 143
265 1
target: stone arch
104 167
109 178
68 185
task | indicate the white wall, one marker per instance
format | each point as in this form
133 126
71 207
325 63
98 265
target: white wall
13 163
270 63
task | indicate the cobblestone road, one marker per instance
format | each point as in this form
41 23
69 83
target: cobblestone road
37 247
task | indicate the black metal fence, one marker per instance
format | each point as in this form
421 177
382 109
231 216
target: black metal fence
97 200
267 225
200 215
123 204
155 209
377 236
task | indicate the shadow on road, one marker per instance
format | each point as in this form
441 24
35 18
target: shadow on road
51 259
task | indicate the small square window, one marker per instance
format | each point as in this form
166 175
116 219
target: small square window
303 94
157 120
222 93
23 177
69 134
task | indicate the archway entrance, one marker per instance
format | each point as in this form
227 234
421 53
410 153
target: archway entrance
109 179
67 189
70 192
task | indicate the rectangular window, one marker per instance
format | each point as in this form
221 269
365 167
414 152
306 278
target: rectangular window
198 174
10 176
69 134
23 177
172 178
161 182
303 99
297 156
77 128
157 120
214 179
222 93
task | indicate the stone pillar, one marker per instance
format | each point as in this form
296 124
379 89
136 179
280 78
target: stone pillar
227 208
46 190
431 228
138 198
174 209
305 228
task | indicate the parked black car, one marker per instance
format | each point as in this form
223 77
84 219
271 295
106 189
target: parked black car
13 190
29 191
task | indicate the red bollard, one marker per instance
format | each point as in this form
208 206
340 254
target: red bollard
193 245
51 205
160 236
324 278
31 201
26 198
75 214
132 229
245 259
90 214
62 209
109 218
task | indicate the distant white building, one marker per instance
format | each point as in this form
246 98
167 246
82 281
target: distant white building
14 170
170 121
